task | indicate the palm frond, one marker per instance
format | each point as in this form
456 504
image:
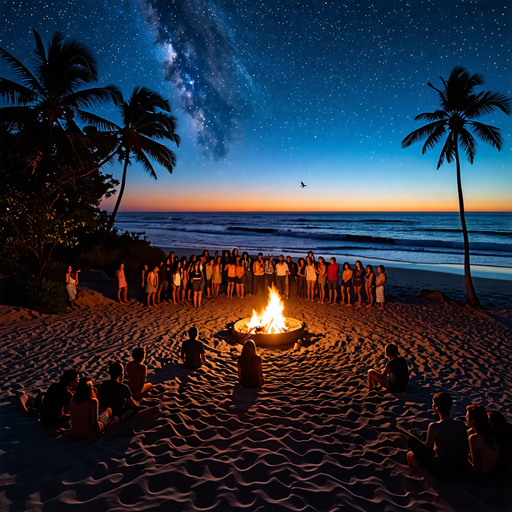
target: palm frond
96 121
17 94
18 117
487 102
431 116
468 144
448 151
146 164
421 133
489 134
434 138
94 96
158 152
22 72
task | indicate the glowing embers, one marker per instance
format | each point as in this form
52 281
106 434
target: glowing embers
271 320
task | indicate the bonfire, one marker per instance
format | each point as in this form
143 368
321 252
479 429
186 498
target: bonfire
271 319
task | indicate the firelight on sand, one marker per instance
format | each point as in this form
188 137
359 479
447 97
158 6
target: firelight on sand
271 319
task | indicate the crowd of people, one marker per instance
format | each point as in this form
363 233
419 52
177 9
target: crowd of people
178 280
449 449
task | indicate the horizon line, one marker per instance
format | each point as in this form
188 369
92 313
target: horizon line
313 211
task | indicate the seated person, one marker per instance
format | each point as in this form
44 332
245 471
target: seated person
86 421
55 406
137 373
117 396
502 430
396 374
443 449
484 450
250 373
192 351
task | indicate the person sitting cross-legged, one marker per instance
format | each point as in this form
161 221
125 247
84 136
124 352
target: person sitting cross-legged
192 351
396 374
116 395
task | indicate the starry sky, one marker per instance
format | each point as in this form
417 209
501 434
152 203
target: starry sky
269 93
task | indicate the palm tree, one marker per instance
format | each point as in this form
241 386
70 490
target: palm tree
146 119
460 106
47 101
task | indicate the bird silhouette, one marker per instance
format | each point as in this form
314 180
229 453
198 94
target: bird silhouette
302 185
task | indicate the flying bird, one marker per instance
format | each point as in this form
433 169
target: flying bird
302 185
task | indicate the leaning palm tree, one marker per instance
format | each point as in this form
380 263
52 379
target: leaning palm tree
146 119
43 105
460 106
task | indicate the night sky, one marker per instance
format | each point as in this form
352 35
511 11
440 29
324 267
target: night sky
271 93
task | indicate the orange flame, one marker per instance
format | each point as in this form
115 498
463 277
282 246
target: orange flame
271 320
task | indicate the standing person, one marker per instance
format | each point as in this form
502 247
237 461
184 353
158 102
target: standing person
443 449
190 268
322 278
196 278
346 283
55 407
176 282
291 278
379 288
247 263
86 419
484 450
192 351
152 286
259 276
332 281
240 277
144 275
163 278
122 285
301 279
282 272
230 268
217 276
250 372
270 270
357 281
71 282
184 278
226 257
369 285
311 277
208 274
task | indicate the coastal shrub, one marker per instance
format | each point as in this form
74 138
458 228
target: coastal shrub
46 296
99 258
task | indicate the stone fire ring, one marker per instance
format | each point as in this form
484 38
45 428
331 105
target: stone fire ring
277 340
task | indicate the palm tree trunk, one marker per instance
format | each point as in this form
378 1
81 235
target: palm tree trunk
119 197
470 289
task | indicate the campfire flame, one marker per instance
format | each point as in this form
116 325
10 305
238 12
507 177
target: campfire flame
271 320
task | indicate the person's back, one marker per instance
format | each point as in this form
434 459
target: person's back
114 394
451 446
192 350
249 371
55 399
136 376
398 375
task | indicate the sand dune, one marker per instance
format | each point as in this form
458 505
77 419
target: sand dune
312 438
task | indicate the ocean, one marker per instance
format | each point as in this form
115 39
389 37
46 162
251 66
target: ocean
427 240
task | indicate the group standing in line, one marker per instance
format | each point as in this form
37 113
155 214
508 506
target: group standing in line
178 280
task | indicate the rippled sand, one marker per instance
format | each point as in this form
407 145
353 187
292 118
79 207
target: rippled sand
312 438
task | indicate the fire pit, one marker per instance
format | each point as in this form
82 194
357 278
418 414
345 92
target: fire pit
270 329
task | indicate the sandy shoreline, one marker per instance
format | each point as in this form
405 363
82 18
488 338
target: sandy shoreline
311 439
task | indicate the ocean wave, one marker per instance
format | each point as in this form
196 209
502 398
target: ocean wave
506 234
252 230
342 221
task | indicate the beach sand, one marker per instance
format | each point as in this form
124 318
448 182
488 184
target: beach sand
312 438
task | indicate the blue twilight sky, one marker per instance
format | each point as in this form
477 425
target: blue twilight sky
270 93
